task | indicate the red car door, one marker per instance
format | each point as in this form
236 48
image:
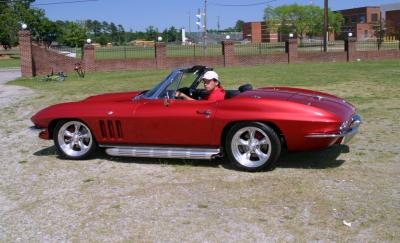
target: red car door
181 122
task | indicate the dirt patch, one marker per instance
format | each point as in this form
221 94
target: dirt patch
4 57
307 198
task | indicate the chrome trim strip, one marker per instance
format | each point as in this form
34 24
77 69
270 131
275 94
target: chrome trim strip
163 152
334 135
347 135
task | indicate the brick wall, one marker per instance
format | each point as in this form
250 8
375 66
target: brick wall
322 57
377 55
39 60
46 61
25 48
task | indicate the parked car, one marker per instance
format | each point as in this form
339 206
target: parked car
249 127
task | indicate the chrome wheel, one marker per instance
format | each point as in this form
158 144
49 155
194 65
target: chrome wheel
74 139
251 146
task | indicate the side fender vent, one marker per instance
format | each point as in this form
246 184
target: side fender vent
110 129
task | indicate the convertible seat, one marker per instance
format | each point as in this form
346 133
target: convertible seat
232 93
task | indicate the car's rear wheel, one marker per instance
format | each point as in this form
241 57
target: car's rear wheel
73 139
252 146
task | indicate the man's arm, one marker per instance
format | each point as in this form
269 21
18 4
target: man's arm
182 95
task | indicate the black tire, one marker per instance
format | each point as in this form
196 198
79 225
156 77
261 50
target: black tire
81 144
252 153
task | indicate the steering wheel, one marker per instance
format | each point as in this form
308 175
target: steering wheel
187 91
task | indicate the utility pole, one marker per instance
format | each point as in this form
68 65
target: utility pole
218 26
190 26
205 23
326 25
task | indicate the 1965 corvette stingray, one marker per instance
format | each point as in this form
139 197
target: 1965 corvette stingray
249 127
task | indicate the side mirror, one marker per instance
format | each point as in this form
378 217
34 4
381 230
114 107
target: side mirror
166 101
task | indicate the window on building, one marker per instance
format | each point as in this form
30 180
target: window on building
365 34
374 17
353 19
346 20
362 18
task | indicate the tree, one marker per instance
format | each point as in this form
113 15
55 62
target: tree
304 20
151 33
13 13
239 25
171 34
121 34
73 34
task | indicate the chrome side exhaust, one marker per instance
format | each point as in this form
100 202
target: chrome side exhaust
163 152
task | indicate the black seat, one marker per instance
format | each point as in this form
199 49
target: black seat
231 93
242 88
245 87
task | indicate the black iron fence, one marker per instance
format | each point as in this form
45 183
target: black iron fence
375 45
193 50
124 52
177 50
259 48
318 46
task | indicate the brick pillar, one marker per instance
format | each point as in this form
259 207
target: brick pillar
89 58
350 48
228 51
25 48
291 50
160 55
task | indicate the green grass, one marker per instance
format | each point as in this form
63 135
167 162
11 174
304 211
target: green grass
309 192
381 74
10 63
10 58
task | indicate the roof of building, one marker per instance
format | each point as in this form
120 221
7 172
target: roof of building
359 8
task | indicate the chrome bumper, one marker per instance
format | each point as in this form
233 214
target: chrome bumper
35 129
346 135
43 132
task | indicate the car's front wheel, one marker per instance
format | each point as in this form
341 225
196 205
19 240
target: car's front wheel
252 146
73 139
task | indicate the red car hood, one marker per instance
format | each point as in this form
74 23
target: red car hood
115 97
324 101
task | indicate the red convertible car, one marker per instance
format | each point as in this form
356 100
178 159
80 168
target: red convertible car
249 127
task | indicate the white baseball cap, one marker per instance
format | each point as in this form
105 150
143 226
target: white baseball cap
209 75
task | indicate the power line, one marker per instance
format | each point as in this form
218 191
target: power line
51 3
242 5
63 2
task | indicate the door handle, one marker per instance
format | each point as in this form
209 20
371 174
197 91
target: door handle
207 113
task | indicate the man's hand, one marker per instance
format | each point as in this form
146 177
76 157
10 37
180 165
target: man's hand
182 95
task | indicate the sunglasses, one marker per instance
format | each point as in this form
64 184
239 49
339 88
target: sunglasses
207 81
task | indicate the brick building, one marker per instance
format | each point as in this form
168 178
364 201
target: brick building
258 32
392 23
361 22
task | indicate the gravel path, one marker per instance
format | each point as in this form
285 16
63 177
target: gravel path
8 74
44 198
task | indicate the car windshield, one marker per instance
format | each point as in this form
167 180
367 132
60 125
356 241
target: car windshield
176 80
154 90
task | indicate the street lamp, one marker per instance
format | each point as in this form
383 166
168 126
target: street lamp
88 41
159 38
227 37
350 34
290 35
24 26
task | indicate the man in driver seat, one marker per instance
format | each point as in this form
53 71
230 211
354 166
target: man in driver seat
212 85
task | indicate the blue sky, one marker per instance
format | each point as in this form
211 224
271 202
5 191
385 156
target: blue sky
137 15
